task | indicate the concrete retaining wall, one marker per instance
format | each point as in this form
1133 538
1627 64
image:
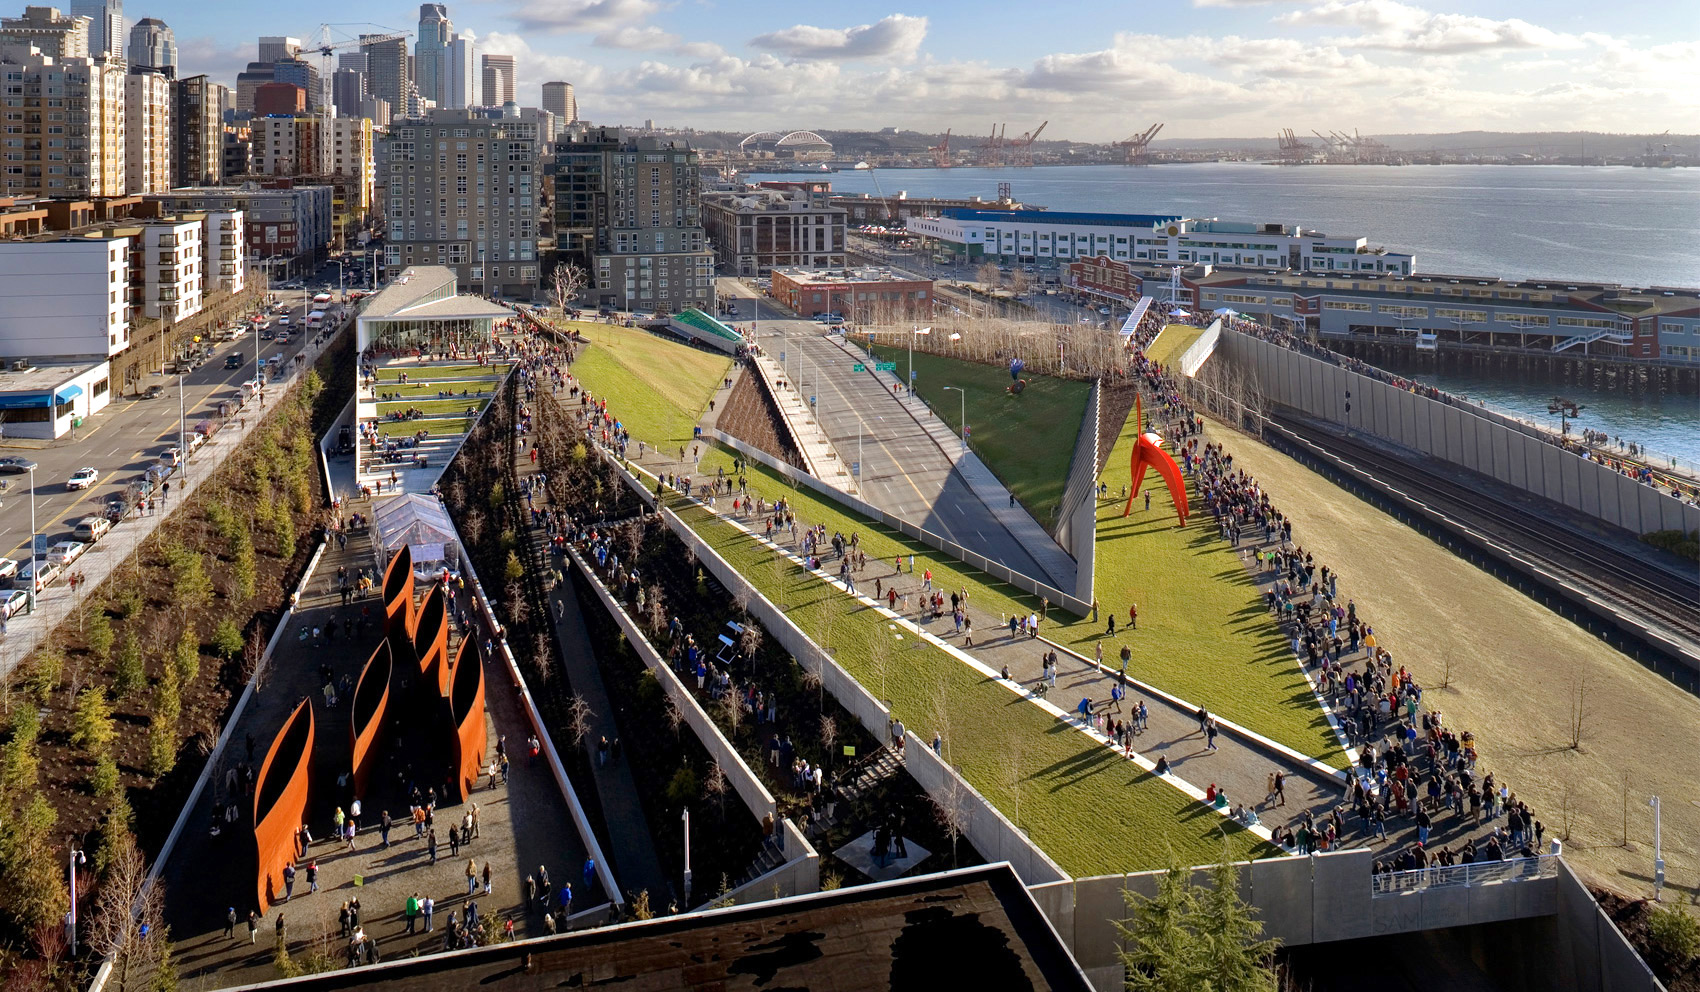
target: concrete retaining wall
797 876
742 778
1193 358
988 830
1077 527
1073 604
1475 439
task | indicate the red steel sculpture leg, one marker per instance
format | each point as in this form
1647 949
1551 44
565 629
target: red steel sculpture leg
1148 453
466 713
398 594
431 641
280 803
370 714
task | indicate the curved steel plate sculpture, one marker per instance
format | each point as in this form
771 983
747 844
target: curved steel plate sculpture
368 718
280 802
398 594
431 642
466 712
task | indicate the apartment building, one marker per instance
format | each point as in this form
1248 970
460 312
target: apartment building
462 191
165 269
64 295
69 145
197 132
58 35
629 211
147 132
287 226
756 230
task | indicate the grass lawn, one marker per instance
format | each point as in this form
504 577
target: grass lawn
435 406
1204 633
1171 341
428 374
1092 812
1027 441
657 388
430 390
438 425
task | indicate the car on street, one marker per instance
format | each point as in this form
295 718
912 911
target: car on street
91 529
155 391
283 338
13 600
233 360
732 309
66 552
8 569
13 466
172 456
196 439
283 321
40 573
82 478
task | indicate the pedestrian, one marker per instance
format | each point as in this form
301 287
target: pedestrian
589 871
253 926
312 876
230 923
412 912
384 828
1210 735
428 907
487 874
431 845
1133 613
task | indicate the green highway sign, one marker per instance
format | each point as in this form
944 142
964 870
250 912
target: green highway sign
886 367
858 367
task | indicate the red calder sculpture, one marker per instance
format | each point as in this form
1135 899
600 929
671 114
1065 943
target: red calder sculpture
368 719
1148 453
280 802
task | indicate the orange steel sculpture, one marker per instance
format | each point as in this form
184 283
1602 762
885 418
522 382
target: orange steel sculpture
280 803
1148 453
431 642
398 594
465 706
367 722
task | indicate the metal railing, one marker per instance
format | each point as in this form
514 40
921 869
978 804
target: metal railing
1480 873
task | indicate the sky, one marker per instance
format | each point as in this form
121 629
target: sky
1096 70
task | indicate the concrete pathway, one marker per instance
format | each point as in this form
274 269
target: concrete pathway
630 848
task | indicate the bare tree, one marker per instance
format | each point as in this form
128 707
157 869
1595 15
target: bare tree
674 716
655 610
256 664
829 737
578 720
565 284
951 808
1580 711
542 655
716 785
749 641
127 911
812 680
732 710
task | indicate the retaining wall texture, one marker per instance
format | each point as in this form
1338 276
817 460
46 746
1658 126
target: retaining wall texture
1476 440
1058 598
798 876
1077 514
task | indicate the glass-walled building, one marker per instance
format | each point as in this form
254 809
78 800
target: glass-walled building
422 311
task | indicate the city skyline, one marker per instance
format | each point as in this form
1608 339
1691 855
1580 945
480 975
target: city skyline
1097 71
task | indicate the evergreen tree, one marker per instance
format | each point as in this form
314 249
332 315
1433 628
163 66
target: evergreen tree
91 727
1231 956
244 569
227 639
31 875
162 732
128 676
283 527
186 659
45 673
190 587
99 634
19 758
1159 944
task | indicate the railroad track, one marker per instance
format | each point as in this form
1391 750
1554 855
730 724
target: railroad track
1633 586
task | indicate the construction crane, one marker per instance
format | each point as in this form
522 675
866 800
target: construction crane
1021 149
991 150
1136 146
325 45
1293 150
941 151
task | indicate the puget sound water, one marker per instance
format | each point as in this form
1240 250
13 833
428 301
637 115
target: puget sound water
1637 227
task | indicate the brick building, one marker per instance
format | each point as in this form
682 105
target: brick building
855 294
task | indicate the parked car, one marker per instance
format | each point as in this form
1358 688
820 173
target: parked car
196 440
12 601
82 479
8 569
13 466
91 529
66 552
172 456
39 573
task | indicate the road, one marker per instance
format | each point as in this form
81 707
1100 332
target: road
123 440
903 470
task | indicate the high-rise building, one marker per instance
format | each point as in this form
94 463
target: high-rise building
197 132
756 230
279 98
106 27
461 68
559 100
348 88
387 72
73 150
147 133
356 61
250 80
153 47
300 72
279 48
376 110
485 225
431 50
629 211
59 36
498 80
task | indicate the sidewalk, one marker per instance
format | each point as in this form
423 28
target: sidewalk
54 604
630 846
820 458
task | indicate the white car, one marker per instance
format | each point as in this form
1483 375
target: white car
13 600
82 478
42 573
196 440
283 321
66 552
8 569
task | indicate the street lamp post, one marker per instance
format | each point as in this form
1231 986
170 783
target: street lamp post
963 395
182 436
921 330
74 859
687 857
35 561
1658 851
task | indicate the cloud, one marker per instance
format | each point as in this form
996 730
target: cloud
586 16
1284 58
649 38
1395 26
896 37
